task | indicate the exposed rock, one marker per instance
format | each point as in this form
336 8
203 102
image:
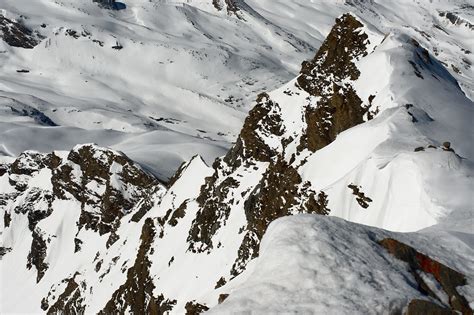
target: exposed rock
69 302
222 298
280 191
361 198
447 278
28 111
456 19
214 211
37 255
179 213
77 245
102 212
4 251
423 307
261 120
17 35
220 283
136 294
106 184
275 196
7 219
447 146
230 5
193 308
339 107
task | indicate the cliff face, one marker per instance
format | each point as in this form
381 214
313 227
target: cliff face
332 141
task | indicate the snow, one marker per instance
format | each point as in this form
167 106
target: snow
311 264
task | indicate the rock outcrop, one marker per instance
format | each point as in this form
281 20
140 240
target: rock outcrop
17 35
271 149
105 185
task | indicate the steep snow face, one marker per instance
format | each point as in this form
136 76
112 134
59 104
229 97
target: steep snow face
139 79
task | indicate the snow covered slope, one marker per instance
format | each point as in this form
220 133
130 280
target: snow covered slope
186 72
373 129
315 265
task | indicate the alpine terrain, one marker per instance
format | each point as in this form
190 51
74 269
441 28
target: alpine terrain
236 157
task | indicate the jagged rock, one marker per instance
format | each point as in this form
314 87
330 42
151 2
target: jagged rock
230 5
339 107
105 183
220 283
280 190
17 35
361 198
447 278
222 298
193 308
3 251
456 20
37 255
69 301
102 212
136 294
179 213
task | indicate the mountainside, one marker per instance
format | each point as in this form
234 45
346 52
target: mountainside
374 129
137 77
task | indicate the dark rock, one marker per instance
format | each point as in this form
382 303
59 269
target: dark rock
423 307
107 4
110 206
117 46
37 255
339 107
220 283
362 199
17 35
4 251
231 6
69 302
193 308
136 294
7 219
447 278
179 213
222 298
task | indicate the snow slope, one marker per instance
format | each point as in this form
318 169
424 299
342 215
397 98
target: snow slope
313 265
160 89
